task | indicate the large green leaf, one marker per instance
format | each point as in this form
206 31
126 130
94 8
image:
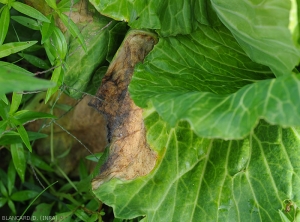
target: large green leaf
167 17
202 78
234 116
208 60
204 84
267 30
81 64
199 179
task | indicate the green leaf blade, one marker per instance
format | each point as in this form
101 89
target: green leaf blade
27 22
42 210
11 177
3 201
15 103
24 136
57 48
3 189
4 113
12 79
24 116
56 77
4 98
208 60
3 125
14 137
19 160
12 206
36 61
51 3
206 79
24 195
214 116
82 64
4 23
47 29
13 47
73 29
29 11
38 162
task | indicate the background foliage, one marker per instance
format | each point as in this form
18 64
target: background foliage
34 48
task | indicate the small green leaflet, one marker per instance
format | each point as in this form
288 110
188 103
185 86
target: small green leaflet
18 157
73 29
12 78
29 11
13 47
4 23
28 22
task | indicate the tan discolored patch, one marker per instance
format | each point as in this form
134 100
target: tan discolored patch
130 155
82 122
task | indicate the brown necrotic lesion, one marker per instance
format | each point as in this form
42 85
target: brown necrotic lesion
130 155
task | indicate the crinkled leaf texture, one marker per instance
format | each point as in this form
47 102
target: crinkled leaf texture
202 86
167 17
200 179
206 79
197 179
266 30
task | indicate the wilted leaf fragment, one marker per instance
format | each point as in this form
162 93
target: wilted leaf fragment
130 155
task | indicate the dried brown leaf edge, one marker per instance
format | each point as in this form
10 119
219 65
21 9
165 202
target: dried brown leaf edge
129 156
